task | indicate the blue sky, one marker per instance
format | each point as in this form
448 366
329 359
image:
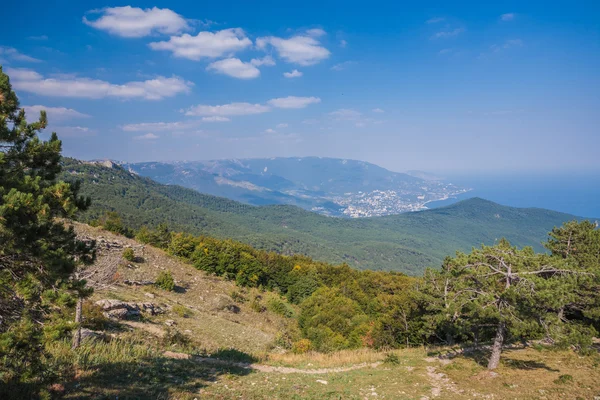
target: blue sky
451 86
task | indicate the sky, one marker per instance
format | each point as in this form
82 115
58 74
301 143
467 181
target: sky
444 87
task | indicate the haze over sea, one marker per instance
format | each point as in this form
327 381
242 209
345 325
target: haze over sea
575 193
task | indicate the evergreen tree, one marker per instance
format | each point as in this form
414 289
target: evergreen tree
38 252
509 289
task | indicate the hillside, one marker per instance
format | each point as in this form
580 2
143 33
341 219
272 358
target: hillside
406 242
329 186
205 340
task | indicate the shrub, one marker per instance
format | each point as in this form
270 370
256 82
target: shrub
280 307
238 297
182 311
563 379
391 358
128 254
302 346
257 306
173 337
165 281
93 317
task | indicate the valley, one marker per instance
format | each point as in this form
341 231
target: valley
329 186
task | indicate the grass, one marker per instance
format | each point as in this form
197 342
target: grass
133 367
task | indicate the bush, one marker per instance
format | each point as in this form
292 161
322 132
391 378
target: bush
280 307
182 311
165 281
93 317
391 358
563 379
302 346
257 306
238 297
128 254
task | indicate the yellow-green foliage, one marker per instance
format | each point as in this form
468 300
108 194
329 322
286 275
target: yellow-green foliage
128 254
182 311
165 281
302 346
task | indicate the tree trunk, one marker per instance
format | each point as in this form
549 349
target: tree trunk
449 338
497 347
77 335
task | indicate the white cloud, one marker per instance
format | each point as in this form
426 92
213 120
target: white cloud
293 102
507 17
342 66
40 37
151 89
147 136
156 126
133 22
343 43
345 114
227 110
378 110
205 44
300 49
279 126
270 131
234 67
267 61
447 34
54 113
73 131
444 51
435 20
316 32
14 54
215 118
293 74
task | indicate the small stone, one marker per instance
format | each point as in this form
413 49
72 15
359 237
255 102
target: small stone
322 381
170 322
150 295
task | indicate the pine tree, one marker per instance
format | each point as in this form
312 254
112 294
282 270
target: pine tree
38 252
505 288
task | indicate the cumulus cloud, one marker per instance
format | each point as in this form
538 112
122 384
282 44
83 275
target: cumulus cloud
53 113
133 22
215 118
293 74
205 44
40 37
279 126
447 34
147 136
267 61
156 126
293 102
316 32
378 110
343 43
299 49
226 110
15 55
234 67
507 17
70 86
270 131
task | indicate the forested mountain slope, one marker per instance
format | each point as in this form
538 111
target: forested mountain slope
407 242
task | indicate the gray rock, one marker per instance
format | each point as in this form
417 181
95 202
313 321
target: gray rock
170 322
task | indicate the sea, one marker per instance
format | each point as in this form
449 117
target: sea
576 193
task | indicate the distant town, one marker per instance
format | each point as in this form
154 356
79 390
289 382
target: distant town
386 202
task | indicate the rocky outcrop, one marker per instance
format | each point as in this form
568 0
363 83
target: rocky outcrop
117 309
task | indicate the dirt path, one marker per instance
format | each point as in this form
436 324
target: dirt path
270 368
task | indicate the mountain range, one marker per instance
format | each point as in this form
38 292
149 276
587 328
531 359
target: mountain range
329 186
407 242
